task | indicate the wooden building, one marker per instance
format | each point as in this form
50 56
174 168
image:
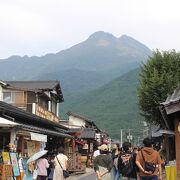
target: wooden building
38 97
86 135
170 110
29 113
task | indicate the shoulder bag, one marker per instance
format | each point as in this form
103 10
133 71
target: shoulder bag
148 166
65 172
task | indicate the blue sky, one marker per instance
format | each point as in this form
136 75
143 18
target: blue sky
38 27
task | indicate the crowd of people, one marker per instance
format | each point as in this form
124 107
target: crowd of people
128 163
125 163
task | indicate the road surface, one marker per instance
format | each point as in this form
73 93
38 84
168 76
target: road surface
89 177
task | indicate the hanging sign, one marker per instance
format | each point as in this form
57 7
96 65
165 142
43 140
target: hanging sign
38 137
14 163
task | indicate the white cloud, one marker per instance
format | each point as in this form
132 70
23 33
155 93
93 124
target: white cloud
36 27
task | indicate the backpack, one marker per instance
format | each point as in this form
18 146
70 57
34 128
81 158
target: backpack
127 166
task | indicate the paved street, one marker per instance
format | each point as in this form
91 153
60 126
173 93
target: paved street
89 177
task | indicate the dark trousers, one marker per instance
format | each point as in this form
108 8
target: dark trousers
41 177
149 178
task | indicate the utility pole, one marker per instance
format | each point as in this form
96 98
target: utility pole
121 140
138 141
129 135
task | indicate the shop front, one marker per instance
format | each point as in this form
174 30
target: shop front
24 135
24 141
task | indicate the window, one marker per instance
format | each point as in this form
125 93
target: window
14 97
53 107
7 97
43 103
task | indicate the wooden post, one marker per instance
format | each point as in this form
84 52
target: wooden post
177 140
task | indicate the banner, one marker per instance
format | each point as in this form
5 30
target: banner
14 163
6 158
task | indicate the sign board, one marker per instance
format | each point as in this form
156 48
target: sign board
91 147
46 114
6 158
129 137
5 172
14 163
38 137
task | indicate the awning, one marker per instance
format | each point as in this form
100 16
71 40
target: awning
43 131
7 123
163 132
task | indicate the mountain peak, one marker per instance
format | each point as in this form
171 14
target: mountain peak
99 35
133 43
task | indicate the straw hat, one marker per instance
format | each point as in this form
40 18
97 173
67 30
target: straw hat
103 147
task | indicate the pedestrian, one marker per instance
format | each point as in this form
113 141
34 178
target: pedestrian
60 163
41 166
103 164
149 162
127 162
51 166
115 156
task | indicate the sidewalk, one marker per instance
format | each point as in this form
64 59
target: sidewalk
89 171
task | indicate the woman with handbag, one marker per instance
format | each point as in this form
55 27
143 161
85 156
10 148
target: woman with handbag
60 163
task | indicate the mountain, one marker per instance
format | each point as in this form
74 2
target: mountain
112 106
96 75
99 59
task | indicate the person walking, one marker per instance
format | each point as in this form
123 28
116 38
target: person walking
60 163
127 162
149 162
41 166
103 164
115 155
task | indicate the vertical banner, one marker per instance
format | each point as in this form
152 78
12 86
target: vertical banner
14 162
6 158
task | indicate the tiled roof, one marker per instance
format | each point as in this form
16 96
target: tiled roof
88 133
33 85
173 98
84 118
79 116
37 86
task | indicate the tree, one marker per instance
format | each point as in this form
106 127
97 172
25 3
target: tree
158 77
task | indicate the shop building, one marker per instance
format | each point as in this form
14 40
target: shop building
29 117
170 110
87 136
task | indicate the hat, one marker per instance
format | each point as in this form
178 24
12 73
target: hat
103 147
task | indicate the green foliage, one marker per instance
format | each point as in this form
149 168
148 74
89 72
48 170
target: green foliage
112 106
158 77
